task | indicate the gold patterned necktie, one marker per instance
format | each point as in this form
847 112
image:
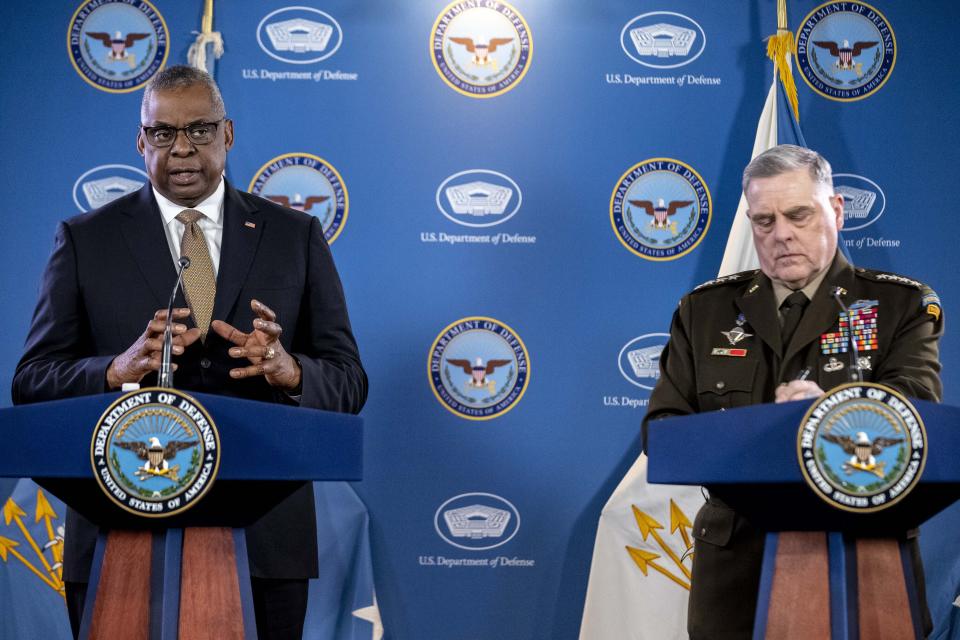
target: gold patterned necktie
200 284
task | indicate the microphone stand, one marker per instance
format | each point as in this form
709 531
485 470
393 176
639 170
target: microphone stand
856 374
166 368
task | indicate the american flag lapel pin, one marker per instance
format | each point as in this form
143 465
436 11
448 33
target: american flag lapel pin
252 225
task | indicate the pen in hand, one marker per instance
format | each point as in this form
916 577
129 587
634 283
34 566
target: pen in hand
804 373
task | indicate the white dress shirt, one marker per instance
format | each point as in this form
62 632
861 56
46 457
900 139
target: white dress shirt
211 223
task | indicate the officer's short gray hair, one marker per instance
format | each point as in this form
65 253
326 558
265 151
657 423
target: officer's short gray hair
785 158
183 76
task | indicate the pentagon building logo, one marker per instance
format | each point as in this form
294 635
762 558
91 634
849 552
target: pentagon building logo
639 359
477 521
863 200
299 35
106 183
663 39
479 198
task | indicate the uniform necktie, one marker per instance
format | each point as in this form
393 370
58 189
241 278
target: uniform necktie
792 309
198 280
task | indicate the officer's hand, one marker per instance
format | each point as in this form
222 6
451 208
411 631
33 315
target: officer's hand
143 356
261 347
798 390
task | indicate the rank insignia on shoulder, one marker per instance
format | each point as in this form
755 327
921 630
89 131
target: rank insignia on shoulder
733 277
734 353
931 302
891 277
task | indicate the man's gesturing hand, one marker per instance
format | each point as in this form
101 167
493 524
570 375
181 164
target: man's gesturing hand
261 347
143 356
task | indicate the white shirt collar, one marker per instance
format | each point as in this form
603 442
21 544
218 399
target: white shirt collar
212 207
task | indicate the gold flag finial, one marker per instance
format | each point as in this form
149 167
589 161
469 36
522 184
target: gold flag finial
779 49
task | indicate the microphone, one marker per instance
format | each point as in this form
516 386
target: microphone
856 373
166 370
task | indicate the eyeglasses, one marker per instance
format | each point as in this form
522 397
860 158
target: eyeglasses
197 133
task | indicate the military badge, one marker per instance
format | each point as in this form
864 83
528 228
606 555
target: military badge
862 447
833 365
155 452
737 334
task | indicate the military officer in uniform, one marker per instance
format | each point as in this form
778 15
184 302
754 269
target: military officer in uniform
775 335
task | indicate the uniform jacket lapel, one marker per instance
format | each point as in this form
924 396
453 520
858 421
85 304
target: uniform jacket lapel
242 227
142 230
759 307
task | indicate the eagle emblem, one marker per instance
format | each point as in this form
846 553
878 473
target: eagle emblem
117 44
845 53
481 51
479 371
156 456
298 202
661 211
863 451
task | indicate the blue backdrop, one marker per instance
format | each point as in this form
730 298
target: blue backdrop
484 527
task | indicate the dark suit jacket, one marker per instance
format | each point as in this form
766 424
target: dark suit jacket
110 271
726 567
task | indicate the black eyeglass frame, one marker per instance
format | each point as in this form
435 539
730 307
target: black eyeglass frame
148 132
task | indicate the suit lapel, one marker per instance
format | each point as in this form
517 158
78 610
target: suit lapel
240 241
142 230
823 310
760 310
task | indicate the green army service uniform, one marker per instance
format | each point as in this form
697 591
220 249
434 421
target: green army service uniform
725 351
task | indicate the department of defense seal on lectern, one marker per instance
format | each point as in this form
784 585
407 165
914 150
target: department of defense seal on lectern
155 452
862 447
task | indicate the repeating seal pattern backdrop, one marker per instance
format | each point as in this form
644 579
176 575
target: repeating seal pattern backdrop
846 50
481 49
117 46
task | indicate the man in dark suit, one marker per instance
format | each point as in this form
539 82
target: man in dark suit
769 335
264 316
